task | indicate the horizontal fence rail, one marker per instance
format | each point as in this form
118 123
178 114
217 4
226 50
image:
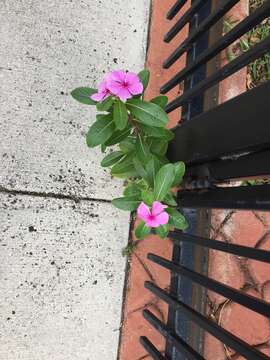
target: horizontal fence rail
246 300
239 250
151 349
204 26
229 69
210 326
243 197
175 9
240 29
228 142
183 20
181 345
222 132
249 166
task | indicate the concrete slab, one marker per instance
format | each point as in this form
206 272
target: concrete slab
47 49
62 278
61 268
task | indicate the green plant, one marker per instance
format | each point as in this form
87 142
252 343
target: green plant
258 70
132 133
129 249
240 46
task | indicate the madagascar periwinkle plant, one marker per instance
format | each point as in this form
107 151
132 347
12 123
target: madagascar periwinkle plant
132 132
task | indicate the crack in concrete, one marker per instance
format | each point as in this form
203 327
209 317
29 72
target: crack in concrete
50 195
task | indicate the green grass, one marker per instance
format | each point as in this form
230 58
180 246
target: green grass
259 70
129 249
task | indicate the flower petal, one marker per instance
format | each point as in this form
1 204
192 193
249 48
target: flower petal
99 96
108 77
152 222
119 76
124 94
114 87
158 208
136 88
143 211
102 87
162 218
131 77
134 84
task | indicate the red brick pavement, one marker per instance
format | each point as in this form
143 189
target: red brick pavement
246 228
141 269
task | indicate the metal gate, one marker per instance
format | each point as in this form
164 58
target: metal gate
228 142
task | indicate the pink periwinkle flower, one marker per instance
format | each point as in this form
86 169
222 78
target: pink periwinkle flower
102 93
153 217
124 84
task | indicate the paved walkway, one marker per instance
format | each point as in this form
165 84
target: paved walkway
61 269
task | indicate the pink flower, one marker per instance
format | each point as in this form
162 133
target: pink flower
124 84
102 93
154 217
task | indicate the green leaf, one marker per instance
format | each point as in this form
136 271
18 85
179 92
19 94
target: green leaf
142 230
99 132
152 167
118 136
162 231
103 148
132 189
127 145
147 113
157 132
125 165
159 146
163 181
179 171
112 158
107 117
142 184
82 94
140 168
162 159
142 150
128 203
148 197
106 104
177 219
160 101
169 200
132 173
120 115
144 76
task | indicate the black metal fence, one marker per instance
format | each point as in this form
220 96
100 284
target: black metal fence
230 141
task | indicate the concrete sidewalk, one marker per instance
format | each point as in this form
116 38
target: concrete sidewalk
61 269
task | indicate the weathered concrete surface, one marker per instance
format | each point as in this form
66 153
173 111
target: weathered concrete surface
61 278
61 269
48 48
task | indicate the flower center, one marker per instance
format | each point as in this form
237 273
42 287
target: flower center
151 217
